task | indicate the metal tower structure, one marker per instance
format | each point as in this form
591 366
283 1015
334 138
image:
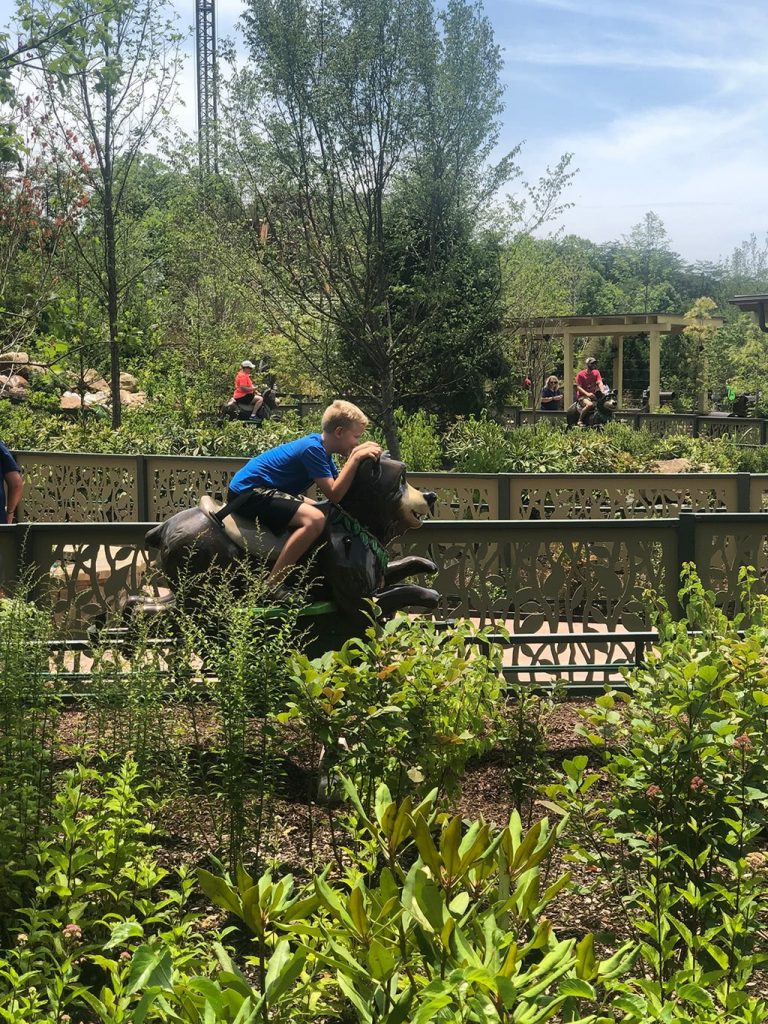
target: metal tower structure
207 85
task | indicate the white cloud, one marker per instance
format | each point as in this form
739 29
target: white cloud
703 171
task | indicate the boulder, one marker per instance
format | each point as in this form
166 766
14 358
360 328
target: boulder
96 398
131 399
89 376
128 383
16 382
10 360
70 400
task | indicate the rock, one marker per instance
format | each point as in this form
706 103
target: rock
70 400
96 398
128 383
132 399
100 386
10 360
89 376
17 382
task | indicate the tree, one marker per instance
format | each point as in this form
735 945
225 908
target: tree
107 83
647 263
362 132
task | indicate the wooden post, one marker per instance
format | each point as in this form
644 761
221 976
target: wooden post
654 368
618 368
568 374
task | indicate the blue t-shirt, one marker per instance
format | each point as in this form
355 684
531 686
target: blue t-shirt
290 467
7 465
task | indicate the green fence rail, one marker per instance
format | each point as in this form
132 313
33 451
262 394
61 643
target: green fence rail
556 575
571 593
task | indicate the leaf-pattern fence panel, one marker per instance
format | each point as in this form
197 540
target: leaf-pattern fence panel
758 492
743 431
461 495
723 547
662 424
532 576
174 484
79 488
613 496
83 571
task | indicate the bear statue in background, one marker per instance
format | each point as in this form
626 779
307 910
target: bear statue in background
349 564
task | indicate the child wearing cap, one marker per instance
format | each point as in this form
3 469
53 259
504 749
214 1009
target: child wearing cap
245 394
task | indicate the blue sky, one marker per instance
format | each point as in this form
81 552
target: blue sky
662 102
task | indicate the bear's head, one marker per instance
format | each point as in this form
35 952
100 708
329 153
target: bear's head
381 498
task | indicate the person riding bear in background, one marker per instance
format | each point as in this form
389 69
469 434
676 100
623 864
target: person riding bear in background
588 382
270 488
245 393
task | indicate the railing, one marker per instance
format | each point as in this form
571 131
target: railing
74 487
746 431
534 577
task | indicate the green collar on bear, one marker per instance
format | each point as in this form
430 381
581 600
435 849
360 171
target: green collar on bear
351 524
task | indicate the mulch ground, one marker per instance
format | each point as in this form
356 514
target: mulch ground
302 837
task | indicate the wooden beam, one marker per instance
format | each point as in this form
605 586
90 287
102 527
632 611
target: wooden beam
654 368
568 374
618 367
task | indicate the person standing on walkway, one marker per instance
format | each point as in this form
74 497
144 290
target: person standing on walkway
11 485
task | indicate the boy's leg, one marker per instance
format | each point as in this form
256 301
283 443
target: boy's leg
306 526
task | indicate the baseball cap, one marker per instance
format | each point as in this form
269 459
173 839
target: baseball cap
247 365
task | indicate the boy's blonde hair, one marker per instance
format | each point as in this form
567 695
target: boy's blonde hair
342 414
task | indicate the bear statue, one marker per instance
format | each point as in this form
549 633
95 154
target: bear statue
606 404
349 565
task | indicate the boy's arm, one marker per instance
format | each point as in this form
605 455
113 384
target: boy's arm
15 486
335 490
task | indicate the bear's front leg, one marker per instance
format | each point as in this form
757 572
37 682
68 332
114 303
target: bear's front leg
406 595
411 565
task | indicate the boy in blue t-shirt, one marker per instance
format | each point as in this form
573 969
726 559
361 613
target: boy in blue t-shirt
278 478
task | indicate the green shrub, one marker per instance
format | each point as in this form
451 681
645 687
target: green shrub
29 710
406 704
419 441
476 445
679 829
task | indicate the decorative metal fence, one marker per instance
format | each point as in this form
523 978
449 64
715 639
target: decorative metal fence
531 576
746 431
64 487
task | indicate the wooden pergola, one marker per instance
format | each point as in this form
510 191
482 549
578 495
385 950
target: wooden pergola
617 327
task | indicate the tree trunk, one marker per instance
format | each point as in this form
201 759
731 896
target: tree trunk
110 262
388 424
114 351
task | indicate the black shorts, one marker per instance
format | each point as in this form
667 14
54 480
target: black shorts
245 400
273 509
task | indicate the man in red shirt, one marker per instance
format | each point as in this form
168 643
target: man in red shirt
588 381
245 393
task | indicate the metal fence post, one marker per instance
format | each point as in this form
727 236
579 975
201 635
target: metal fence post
763 431
142 490
743 487
505 502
